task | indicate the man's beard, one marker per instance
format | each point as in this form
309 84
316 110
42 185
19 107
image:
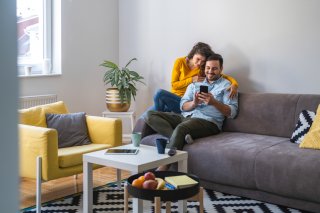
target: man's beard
214 78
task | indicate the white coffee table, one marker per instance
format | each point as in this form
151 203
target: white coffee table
147 158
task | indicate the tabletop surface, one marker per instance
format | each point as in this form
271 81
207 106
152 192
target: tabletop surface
146 155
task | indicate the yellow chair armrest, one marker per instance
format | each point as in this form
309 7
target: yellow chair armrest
37 141
105 130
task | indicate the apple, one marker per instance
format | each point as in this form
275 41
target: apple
150 184
149 176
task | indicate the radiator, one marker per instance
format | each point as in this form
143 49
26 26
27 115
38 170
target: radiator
31 101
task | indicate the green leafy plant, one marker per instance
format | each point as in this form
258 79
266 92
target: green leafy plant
123 79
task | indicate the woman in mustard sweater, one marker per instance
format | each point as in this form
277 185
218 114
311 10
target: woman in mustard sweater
186 70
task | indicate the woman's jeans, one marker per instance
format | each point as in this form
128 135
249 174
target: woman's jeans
165 101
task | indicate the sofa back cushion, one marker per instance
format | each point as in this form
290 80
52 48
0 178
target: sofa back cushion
72 128
36 116
270 113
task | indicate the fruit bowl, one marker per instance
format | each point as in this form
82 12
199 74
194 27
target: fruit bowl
165 195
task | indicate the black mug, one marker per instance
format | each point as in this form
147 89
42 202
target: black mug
161 145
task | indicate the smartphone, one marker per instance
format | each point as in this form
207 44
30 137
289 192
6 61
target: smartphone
203 89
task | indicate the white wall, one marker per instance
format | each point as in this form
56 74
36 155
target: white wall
268 46
9 198
89 35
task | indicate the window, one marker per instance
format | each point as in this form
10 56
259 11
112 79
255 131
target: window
34 37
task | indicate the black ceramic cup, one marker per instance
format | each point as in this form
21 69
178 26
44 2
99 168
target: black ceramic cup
161 145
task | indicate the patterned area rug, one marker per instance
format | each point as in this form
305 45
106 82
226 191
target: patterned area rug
109 198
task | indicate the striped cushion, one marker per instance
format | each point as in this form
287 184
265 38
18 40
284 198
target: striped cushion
312 138
303 125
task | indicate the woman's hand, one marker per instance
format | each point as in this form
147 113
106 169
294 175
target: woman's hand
233 91
197 79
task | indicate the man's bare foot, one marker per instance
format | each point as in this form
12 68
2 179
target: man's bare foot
163 168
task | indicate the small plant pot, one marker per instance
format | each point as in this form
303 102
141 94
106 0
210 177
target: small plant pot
113 101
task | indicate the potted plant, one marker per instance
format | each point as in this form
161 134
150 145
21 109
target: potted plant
123 80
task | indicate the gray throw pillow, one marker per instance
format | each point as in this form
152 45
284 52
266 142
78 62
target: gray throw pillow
72 128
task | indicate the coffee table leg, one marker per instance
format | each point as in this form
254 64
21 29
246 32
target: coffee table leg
137 205
119 178
182 167
126 199
200 196
87 187
157 205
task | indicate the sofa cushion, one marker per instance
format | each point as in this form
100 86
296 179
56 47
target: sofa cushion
270 113
72 156
151 139
228 158
312 139
36 116
265 114
303 125
72 128
285 169
32 116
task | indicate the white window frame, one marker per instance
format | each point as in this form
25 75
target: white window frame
27 67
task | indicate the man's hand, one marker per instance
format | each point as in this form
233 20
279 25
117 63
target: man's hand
190 105
233 91
197 78
206 98
196 99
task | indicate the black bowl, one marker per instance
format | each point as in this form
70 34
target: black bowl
165 195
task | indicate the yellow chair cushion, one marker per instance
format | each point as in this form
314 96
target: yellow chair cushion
31 116
312 138
36 116
72 156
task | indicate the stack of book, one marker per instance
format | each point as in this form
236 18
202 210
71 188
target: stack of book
180 181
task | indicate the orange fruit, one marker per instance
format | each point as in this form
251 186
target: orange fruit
141 178
137 183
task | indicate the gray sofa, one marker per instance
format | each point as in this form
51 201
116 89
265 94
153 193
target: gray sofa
253 156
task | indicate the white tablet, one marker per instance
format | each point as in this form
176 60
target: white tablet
122 151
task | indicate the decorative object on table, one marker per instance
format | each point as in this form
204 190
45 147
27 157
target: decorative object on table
109 198
123 82
161 145
136 139
153 192
181 181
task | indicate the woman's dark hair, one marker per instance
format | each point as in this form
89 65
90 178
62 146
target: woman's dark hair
201 49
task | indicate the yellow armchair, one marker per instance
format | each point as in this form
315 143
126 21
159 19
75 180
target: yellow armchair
40 157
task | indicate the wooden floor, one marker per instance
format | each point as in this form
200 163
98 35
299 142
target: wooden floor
64 186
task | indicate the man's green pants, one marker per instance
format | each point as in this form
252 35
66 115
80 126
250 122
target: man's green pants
175 127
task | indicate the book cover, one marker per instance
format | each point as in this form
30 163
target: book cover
169 186
181 181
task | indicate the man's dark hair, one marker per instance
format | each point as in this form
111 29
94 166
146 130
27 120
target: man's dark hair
216 57
200 48
211 57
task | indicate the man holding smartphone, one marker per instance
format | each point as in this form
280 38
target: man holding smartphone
204 107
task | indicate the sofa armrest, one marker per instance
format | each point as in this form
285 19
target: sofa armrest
143 127
104 130
37 141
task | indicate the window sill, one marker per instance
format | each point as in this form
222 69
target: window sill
40 75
